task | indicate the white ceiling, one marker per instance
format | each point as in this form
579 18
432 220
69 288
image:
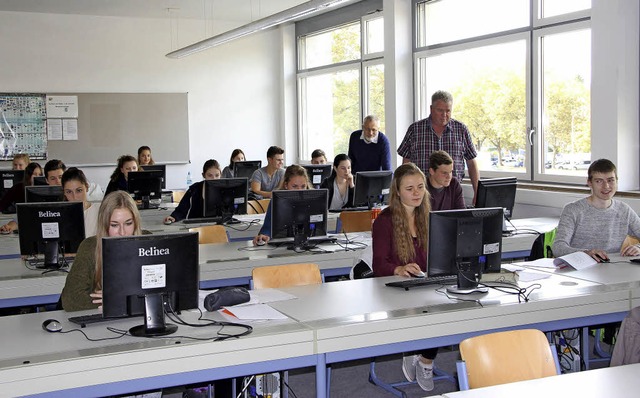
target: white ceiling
226 10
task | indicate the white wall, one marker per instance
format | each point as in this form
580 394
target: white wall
234 90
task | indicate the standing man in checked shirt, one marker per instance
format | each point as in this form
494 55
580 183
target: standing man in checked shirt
440 132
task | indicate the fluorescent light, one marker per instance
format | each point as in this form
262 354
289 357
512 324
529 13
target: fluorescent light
294 13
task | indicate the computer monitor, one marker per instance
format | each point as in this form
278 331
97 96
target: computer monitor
299 216
497 192
225 197
317 173
9 179
150 275
43 193
145 186
465 243
245 169
40 180
157 167
372 188
51 229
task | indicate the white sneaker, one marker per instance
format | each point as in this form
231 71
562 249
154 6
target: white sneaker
424 375
409 363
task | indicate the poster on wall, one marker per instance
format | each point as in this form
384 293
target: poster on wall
62 106
23 125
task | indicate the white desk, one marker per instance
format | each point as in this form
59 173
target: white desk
363 318
63 365
328 323
619 382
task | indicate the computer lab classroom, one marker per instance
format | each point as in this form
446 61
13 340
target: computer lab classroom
341 336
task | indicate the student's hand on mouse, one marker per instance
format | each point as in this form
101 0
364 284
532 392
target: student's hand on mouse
407 270
169 219
598 255
260 237
8 227
631 250
97 298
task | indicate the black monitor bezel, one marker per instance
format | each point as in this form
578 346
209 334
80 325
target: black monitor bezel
217 188
446 234
43 193
71 229
364 179
123 294
284 205
157 167
489 186
325 172
250 164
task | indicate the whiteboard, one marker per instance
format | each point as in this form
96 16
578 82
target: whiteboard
115 124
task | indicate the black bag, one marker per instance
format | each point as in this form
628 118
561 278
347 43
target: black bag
225 297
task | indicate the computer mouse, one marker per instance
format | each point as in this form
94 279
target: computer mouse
52 326
261 242
168 222
602 259
5 231
418 274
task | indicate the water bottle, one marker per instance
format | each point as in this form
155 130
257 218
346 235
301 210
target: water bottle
189 181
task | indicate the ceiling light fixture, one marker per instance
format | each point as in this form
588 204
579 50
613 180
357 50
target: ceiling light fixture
292 14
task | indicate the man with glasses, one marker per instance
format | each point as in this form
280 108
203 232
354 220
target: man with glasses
598 224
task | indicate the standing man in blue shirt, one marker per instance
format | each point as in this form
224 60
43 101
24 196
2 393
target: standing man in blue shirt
369 148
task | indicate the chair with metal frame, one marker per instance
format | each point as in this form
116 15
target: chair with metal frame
505 357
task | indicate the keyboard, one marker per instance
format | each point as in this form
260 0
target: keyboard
359 208
84 320
417 282
202 220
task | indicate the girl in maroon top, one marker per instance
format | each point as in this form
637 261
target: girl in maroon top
400 248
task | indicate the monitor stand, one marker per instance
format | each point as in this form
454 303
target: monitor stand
154 322
468 277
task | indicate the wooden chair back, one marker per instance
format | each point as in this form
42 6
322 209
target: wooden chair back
355 221
275 276
629 241
258 206
211 234
506 357
177 196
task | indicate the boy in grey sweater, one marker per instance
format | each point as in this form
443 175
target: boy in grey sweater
597 224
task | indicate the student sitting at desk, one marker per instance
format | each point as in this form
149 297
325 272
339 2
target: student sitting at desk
268 178
118 216
340 183
444 188
16 193
236 156
144 156
400 248
192 204
20 161
318 157
53 171
597 224
295 177
118 181
75 187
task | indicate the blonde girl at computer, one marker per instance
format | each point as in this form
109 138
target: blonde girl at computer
75 187
295 177
192 202
400 236
118 216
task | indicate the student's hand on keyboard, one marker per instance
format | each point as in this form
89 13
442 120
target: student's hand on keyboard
410 269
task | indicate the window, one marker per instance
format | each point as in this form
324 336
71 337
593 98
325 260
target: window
532 122
340 79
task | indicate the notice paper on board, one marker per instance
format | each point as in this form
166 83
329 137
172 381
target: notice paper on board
62 106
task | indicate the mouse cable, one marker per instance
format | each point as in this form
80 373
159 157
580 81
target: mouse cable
121 333
173 316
